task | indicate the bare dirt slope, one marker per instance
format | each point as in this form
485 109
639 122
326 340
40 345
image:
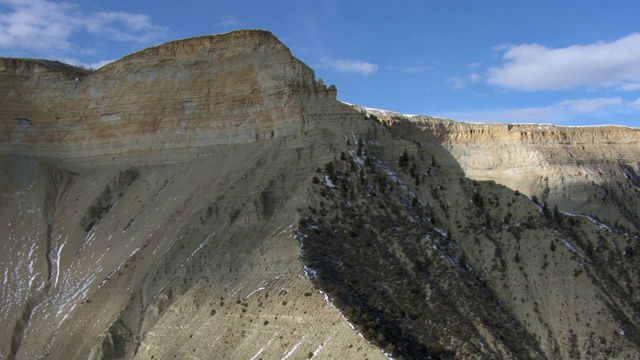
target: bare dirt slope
208 198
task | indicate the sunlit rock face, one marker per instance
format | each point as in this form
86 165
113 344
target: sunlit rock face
233 88
208 198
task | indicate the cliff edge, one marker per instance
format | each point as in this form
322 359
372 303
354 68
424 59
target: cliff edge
181 96
582 170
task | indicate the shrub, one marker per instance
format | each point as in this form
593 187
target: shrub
404 159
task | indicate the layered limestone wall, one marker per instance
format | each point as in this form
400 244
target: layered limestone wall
183 95
583 170
516 155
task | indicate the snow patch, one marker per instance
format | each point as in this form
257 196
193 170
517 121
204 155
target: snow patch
328 181
572 248
295 347
262 349
600 225
259 288
309 273
57 263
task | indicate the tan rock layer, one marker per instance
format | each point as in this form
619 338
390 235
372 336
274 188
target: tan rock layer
566 166
236 87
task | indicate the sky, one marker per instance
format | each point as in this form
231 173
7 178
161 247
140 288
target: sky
565 62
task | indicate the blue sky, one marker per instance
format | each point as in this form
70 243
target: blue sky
567 62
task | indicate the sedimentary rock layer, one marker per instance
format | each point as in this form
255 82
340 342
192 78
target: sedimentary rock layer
581 169
184 95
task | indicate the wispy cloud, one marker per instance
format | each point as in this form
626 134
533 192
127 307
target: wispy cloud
126 27
349 66
588 106
533 67
229 21
414 69
630 87
89 65
46 27
560 112
459 83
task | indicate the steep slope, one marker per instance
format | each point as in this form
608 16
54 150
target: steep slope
149 207
208 198
584 170
429 263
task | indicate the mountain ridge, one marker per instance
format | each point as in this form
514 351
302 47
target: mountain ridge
173 109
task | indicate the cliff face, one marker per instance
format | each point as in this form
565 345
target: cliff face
584 170
209 198
591 170
237 87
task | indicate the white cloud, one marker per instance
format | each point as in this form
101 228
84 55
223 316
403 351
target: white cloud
630 87
45 27
535 67
349 66
556 113
415 70
35 24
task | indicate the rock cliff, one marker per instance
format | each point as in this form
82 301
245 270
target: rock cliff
208 198
581 169
180 96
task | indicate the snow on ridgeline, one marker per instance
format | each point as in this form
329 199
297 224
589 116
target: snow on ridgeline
370 110
539 126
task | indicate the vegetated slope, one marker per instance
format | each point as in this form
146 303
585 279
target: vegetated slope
584 170
208 198
188 259
429 263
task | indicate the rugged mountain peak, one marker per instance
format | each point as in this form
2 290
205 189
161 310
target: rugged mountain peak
180 96
241 40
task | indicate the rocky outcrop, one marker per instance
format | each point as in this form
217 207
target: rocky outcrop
180 96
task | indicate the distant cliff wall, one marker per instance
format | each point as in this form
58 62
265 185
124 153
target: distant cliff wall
590 170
